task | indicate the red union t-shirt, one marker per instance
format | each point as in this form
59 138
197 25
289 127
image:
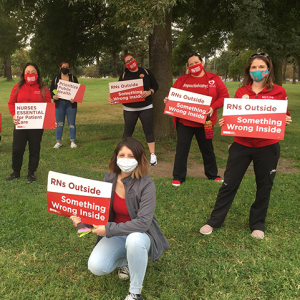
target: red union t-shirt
120 209
198 85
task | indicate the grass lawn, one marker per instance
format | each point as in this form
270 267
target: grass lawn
41 256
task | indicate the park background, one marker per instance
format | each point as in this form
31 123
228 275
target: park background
41 256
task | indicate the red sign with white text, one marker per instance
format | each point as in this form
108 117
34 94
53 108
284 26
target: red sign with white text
254 118
127 91
187 105
70 90
35 115
76 196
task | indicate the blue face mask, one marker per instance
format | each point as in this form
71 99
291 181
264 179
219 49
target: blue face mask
259 75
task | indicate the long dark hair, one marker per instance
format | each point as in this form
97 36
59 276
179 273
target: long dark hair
139 154
269 79
39 79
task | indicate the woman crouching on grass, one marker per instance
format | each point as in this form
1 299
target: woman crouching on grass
132 231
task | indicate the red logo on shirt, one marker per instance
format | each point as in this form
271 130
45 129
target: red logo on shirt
142 75
246 96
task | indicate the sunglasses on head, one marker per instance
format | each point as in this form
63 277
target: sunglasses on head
259 54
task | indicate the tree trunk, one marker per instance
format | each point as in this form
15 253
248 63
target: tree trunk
114 68
278 72
7 69
160 63
97 67
294 73
284 69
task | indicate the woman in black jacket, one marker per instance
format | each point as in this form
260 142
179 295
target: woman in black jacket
64 107
140 110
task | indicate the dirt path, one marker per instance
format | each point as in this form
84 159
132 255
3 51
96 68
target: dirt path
165 168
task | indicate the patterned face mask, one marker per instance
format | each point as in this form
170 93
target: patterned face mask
259 75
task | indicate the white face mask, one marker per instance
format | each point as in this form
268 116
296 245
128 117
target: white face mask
127 165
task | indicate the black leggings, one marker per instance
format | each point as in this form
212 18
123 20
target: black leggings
20 139
146 117
264 162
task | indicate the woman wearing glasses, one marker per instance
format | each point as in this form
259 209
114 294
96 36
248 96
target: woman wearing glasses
139 110
258 84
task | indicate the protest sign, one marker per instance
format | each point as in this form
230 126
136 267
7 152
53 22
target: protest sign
70 90
88 199
254 118
127 91
187 105
35 115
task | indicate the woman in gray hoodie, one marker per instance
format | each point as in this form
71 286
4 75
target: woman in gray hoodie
132 231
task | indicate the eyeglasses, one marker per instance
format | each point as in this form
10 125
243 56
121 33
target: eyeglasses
260 54
128 61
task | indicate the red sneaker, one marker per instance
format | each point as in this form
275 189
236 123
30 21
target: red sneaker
176 183
219 179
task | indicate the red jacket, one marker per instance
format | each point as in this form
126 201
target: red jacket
278 93
27 94
216 89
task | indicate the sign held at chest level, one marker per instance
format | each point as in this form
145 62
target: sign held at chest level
254 118
187 105
127 91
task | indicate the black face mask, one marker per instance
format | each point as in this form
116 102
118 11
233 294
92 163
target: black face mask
65 70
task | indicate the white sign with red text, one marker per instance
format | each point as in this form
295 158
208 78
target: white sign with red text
88 199
254 118
187 105
70 90
35 115
127 91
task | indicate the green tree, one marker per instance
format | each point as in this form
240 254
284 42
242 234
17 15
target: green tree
10 36
270 26
236 68
18 60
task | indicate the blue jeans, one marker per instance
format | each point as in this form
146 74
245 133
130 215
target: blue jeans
65 108
117 251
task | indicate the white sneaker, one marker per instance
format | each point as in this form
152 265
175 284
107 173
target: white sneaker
258 234
206 229
57 145
123 272
73 145
153 159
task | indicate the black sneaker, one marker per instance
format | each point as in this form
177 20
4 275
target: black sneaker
134 297
13 176
31 178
